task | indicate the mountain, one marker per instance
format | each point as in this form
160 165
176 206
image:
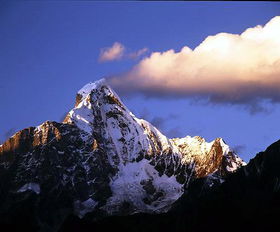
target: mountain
102 161
248 200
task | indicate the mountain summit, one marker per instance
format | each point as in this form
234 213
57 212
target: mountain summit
102 160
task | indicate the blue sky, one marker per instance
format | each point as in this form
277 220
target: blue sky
49 50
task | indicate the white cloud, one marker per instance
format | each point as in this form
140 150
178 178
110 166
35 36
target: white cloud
134 55
226 68
118 52
112 53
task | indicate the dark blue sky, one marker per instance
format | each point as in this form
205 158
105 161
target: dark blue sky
49 50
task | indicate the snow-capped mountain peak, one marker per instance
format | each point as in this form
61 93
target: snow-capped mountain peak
103 158
86 90
132 142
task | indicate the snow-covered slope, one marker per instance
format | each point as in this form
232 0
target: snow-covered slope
151 170
102 158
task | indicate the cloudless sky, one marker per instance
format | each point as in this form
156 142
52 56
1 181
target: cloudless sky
50 49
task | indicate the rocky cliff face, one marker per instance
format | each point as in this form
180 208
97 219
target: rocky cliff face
103 160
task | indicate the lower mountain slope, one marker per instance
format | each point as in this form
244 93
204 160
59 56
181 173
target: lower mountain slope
248 200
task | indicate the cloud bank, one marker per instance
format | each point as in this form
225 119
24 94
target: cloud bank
118 51
225 68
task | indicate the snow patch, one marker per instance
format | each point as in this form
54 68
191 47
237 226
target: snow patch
84 207
82 116
127 186
30 186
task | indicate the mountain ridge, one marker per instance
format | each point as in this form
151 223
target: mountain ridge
103 159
